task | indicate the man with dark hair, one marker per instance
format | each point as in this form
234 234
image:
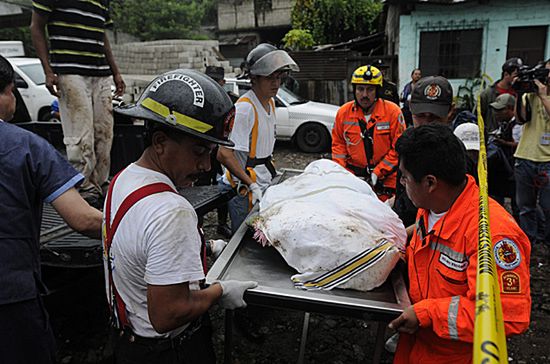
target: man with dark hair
33 172
532 168
442 254
248 164
405 97
431 102
500 151
510 70
153 250
365 131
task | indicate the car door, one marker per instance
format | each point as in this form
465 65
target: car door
283 128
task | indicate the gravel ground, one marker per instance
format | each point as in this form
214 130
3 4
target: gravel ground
79 316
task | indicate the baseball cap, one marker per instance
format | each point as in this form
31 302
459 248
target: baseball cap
512 64
215 72
468 133
502 101
432 94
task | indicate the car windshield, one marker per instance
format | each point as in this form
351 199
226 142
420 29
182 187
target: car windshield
34 72
289 97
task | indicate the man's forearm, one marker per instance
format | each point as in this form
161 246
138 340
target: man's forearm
227 157
38 35
109 55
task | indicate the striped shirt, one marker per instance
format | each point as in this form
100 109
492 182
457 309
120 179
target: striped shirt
76 30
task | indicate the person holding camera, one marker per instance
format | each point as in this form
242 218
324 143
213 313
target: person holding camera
510 70
365 132
532 166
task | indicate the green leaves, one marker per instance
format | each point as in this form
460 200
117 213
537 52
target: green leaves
160 19
298 39
333 21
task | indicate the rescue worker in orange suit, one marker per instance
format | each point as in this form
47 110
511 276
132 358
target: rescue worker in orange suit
442 255
365 132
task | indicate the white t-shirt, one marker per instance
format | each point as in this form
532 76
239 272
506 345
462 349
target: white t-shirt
433 218
157 242
241 135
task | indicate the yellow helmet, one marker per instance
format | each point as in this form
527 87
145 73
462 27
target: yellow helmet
367 75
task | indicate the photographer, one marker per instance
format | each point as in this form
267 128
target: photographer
510 70
532 165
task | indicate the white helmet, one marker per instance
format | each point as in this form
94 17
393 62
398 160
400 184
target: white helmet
266 59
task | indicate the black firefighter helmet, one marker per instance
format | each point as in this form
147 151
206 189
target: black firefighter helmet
189 101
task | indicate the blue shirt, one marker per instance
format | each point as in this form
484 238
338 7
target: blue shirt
31 172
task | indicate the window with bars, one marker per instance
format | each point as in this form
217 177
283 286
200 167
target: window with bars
451 53
528 43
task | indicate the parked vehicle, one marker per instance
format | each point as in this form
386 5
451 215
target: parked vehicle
307 123
30 80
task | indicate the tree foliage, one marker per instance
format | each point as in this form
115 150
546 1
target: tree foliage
333 21
298 39
160 19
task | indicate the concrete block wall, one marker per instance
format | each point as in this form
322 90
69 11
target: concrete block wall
155 57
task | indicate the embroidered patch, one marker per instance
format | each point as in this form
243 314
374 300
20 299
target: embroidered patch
453 264
507 254
383 125
510 282
432 92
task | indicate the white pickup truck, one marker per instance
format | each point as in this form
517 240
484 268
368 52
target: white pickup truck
30 80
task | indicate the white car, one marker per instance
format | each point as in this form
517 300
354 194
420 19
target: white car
31 83
307 123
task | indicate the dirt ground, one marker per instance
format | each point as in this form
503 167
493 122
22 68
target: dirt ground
78 314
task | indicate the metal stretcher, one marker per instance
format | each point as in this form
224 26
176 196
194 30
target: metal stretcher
245 260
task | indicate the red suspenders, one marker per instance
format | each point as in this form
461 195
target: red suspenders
118 308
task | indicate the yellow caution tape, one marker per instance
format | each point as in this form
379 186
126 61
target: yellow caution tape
489 335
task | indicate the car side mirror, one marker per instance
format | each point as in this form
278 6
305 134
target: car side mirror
19 82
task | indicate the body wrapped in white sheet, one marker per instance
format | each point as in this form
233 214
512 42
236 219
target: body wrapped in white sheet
324 217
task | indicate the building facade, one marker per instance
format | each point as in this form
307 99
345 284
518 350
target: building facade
462 39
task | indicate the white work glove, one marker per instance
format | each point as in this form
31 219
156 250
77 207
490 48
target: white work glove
256 193
233 291
216 247
373 179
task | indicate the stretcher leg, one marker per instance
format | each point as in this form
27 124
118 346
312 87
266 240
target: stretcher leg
228 342
303 340
379 344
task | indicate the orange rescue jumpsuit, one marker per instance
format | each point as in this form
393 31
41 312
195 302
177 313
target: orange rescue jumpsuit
442 267
387 125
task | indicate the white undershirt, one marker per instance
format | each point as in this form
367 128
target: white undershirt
433 218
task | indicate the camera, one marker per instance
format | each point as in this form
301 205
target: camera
525 82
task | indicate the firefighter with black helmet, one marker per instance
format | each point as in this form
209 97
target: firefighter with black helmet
249 168
365 132
153 250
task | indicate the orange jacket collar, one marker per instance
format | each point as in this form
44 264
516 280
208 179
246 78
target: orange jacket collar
452 220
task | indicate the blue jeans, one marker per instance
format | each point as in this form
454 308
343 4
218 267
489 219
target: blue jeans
532 186
238 207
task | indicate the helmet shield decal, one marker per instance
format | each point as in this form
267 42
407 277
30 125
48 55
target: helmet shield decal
228 123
